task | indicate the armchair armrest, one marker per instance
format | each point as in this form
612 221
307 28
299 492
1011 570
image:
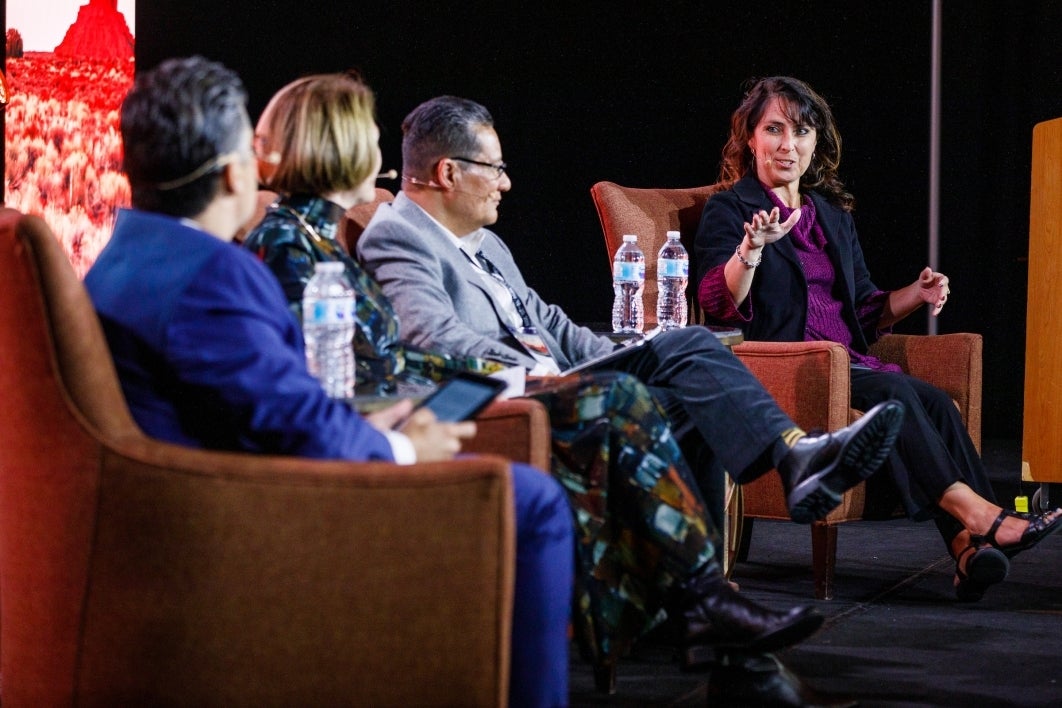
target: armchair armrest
809 380
249 580
951 362
517 429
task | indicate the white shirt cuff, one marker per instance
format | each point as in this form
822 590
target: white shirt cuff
541 369
401 447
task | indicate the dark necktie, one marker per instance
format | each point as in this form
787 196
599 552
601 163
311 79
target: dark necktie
496 274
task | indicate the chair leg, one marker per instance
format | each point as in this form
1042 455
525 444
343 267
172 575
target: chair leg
605 677
823 558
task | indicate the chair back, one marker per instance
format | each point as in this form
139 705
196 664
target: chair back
359 216
135 572
650 214
49 462
264 199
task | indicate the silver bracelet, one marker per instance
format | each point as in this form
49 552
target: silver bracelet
747 264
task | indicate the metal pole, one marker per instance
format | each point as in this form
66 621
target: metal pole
934 152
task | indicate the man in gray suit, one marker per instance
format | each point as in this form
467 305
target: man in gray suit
456 288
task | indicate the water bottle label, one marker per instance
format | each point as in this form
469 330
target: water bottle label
628 272
329 311
672 268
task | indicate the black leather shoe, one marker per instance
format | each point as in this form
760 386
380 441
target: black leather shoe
764 681
718 618
819 469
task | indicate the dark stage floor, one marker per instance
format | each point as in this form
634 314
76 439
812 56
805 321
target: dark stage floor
894 635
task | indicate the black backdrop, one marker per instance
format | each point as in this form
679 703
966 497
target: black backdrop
640 93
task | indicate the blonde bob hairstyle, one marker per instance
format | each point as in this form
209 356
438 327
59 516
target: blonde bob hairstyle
316 135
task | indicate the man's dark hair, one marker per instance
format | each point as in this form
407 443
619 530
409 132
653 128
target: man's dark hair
442 127
178 120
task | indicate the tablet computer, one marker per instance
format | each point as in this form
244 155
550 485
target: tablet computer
620 351
462 397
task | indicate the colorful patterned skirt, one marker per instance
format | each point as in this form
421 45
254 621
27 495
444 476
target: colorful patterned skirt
642 526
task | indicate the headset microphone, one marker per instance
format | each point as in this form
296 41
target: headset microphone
432 183
422 183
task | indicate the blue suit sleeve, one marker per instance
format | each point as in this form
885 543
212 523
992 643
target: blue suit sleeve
235 345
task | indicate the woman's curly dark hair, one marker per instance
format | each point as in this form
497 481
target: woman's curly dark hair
802 106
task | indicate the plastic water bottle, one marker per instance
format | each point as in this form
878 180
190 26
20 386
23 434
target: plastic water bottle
628 282
672 274
328 321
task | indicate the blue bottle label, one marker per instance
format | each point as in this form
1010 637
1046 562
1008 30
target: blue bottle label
328 311
673 268
628 272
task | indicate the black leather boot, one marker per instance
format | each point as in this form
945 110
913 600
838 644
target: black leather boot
720 618
765 682
819 469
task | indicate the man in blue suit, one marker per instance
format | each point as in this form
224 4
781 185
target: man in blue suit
209 355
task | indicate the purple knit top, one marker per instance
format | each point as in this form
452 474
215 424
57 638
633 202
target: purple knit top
824 319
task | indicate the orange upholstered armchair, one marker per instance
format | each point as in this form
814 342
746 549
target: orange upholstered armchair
264 199
136 572
358 217
809 380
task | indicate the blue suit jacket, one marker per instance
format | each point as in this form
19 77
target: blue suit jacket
440 298
206 350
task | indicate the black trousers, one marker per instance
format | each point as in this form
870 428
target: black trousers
721 415
933 450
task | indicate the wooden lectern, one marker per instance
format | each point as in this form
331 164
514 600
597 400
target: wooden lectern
1042 435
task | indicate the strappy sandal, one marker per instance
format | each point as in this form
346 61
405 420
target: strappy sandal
985 567
1039 528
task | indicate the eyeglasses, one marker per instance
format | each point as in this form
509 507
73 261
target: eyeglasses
499 168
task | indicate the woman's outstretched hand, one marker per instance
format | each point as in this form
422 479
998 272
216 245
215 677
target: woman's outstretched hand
933 289
766 228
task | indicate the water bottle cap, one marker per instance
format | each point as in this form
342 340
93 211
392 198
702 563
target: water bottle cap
630 238
328 267
673 234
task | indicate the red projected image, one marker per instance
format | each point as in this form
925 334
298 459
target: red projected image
63 152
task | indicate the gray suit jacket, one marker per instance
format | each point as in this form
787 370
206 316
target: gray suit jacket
441 301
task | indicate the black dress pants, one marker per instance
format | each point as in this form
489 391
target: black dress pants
933 450
720 412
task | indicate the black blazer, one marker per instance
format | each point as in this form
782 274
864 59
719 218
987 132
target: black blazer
779 293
